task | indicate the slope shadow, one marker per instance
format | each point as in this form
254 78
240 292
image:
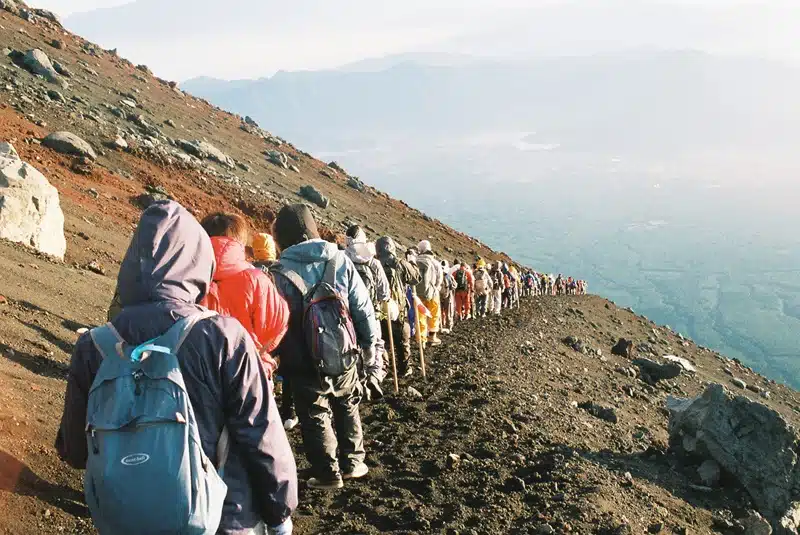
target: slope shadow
40 365
17 478
672 474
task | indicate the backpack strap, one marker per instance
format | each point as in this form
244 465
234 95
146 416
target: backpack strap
293 277
108 341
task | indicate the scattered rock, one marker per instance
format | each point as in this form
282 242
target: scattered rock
598 411
39 63
414 393
356 184
312 194
278 158
738 382
545 529
30 212
758 450
57 44
709 472
3 300
516 484
755 524
652 372
453 461
170 122
69 143
249 120
10 6
623 348
682 362
82 330
120 143
62 70
655 528
207 151
95 267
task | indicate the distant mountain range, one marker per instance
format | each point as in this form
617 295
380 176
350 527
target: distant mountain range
640 101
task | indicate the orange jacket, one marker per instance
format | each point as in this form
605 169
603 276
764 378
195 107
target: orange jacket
246 293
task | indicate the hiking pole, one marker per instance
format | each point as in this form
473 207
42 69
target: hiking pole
391 346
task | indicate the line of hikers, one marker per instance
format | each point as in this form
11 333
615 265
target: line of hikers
170 407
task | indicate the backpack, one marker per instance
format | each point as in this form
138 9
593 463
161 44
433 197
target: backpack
428 267
142 436
397 290
462 284
448 286
368 277
328 328
480 282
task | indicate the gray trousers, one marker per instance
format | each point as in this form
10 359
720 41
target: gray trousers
330 422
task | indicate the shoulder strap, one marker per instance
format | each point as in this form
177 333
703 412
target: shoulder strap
330 271
173 339
296 280
108 341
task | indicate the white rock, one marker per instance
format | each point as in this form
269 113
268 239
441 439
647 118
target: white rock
30 212
682 362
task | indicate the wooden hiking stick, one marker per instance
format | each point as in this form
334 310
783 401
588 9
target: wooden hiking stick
391 346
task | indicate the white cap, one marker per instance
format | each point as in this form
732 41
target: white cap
424 246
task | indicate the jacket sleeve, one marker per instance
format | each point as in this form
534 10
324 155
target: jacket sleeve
382 291
71 438
439 275
255 426
361 309
270 313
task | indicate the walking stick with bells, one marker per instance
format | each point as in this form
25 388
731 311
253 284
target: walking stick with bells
391 345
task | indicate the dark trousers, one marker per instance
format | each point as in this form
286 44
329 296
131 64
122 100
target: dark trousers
330 422
287 400
480 304
401 331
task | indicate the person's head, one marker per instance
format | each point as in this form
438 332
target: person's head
225 225
294 224
481 264
462 266
424 247
445 265
385 246
355 234
264 248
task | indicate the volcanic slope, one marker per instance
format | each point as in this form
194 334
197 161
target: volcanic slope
525 456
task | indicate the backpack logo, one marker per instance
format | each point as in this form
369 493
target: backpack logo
135 460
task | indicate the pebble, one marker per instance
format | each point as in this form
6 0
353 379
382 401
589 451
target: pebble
738 382
82 330
3 300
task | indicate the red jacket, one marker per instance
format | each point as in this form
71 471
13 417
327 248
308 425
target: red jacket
244 292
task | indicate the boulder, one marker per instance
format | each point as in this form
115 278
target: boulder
69 143
653 372
356 184
10 6
37 62
623 348
312 194
278 158
682 362
206 151
47 14
30 212
750 442
755 524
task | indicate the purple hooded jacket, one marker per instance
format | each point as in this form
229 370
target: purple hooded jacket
166 271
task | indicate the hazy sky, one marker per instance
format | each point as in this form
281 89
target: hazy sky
254 38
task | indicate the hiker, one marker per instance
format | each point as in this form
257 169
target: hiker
165 274
464 289
483 287
447 298
401 275
362 254
498 285
242 291
428 290
265 255
331 319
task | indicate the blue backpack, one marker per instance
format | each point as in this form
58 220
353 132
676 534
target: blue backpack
146 471
328 328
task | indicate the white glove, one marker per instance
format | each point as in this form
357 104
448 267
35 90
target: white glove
283 529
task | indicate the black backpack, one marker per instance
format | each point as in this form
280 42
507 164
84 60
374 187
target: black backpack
462 285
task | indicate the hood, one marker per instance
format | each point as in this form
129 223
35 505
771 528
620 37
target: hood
316 250
385 247
170 257
230 257
359 253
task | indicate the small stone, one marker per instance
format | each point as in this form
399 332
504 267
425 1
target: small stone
655 528
516 484
3 300
47 513
82 330
453 460
120 143
170 122
57 44
545 529
755 524
765 394
95 267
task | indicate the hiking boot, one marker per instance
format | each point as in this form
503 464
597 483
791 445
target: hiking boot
290 423
436 341
325 484
357 473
